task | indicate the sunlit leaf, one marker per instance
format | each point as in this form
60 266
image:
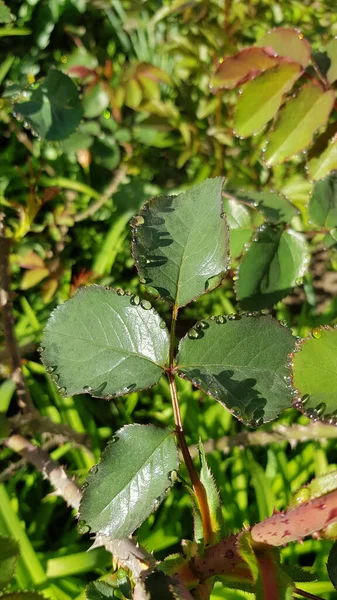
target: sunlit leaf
241 362
130 481
274 206
299 119
104 343
323 202
288 42
261 98
239 221
272 266
181 243
247 64
322 156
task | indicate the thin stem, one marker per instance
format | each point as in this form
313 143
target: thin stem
307 594
194 477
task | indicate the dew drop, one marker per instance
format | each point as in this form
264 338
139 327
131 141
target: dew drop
162 325
320 408
85 484
316 333
50 369
62 390
142 280
173 476
128 293
311 413
156 503
193 334
137 221
220 320
202 325
305 399
83 527
93 469
146 304
135 300
87 388
120 292
299 281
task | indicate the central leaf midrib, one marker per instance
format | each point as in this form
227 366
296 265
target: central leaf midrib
128 352
147 460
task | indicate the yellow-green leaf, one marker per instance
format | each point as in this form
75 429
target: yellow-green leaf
288 42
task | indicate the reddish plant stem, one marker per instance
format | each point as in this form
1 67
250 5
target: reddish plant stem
194 477
306 594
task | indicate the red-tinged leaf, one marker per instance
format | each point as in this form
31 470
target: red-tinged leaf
245 65
331 50
300 117
80 71
306 519
262 97
288 42
31 260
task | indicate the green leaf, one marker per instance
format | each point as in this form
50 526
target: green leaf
181 243
9 552
272 266
275 207
314 368
239 221
289 43
322 156
261 98
239 68
130 481
331 51
99 590
95 101
323 202
241 362
54 109
301 116
104 343
213 498
5 13
332 565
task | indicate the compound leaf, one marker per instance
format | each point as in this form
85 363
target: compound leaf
314 368
105 343
262 97
271 267
54 109
181 244
130 481
298 121
241 362
9 552
287 42
323 202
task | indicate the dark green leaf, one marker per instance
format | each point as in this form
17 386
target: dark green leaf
181 243
273 265
104 343
323 202
275 207
332 565
241 362
130 481
314 368
54 109
106 153
9 552
99 590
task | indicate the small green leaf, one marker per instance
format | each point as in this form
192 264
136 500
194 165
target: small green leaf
321 165
331 51
241 362
105 343
181 243
332 565
300 117
99 590
54 109
323 202
314 368
275 207
5 13
213 499
239 68
272 266
239 221
261 98
289 43
9 552
131 480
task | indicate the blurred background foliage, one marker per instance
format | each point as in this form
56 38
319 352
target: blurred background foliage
144 121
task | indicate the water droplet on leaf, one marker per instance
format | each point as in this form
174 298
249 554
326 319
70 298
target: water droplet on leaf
193 334
162 325
146 304
316 333
120 292
135 300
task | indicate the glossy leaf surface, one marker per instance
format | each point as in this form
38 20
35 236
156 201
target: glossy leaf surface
323 202
241 363
261 98
54 109
299 119
9 552
239 221
332 565
245 65
181 243
275 207
314 374
288 42
104 343
271 267
130 481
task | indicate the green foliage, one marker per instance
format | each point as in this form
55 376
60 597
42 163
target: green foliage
9 551
332 565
